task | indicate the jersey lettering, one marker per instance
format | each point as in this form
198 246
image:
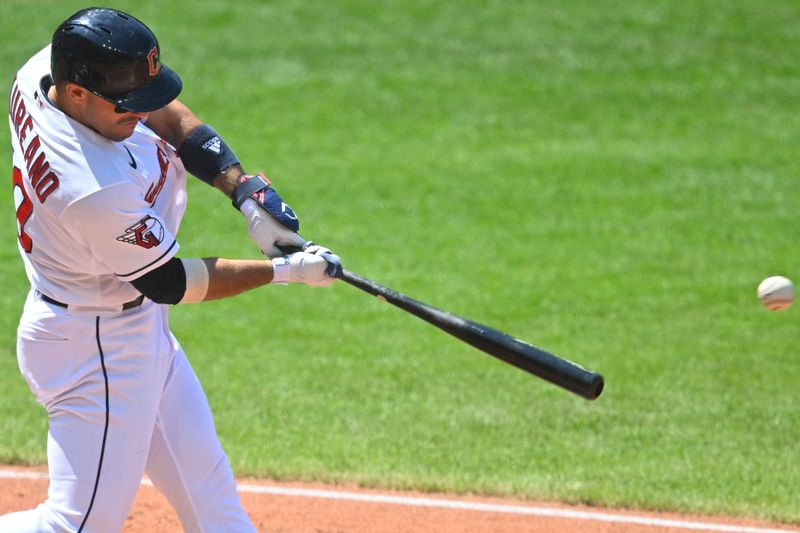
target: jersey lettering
30 151
42 177
155 189
16 94
23 131
46 186
19 115
24 208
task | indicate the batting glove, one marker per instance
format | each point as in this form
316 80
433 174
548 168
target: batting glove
271 222
301 267
334 261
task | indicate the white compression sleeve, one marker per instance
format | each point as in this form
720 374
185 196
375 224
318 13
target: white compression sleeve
196 280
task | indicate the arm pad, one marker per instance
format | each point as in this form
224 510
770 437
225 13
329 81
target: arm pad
205 154
165 284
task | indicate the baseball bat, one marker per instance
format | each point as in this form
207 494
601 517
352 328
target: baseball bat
527 357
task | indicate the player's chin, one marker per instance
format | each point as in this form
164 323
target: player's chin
122 131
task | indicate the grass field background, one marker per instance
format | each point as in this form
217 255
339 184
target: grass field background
607 180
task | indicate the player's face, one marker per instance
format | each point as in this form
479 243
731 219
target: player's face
104 117
95 112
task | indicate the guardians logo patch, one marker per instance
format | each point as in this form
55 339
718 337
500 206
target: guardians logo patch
147 233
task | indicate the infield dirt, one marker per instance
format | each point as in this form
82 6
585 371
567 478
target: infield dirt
303 514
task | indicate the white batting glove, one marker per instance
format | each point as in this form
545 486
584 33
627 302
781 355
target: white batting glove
316 249
267 232
334 261
301 267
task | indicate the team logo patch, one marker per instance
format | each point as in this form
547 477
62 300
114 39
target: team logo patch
147 233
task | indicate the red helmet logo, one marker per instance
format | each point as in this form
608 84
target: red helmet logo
152 61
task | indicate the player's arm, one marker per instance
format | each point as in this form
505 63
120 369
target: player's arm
272 224
195 280
174 123
214 163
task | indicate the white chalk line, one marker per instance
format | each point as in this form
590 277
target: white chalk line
466 506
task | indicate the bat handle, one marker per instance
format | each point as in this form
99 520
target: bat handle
288 250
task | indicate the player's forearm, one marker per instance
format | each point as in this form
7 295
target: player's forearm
227 180
229 277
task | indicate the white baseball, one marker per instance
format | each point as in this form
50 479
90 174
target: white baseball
776 293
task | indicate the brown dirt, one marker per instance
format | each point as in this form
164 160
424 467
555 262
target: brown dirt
278 513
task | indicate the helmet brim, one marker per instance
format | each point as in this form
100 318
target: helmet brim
162 90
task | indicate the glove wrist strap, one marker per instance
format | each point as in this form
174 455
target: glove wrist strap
281 271
246 189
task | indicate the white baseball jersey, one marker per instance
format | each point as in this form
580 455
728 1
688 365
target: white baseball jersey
92 214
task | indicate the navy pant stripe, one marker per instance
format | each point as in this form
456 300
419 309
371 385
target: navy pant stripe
105 430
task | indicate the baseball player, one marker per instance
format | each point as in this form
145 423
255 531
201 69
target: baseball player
101 148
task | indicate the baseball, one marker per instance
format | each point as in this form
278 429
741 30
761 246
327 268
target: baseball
776 293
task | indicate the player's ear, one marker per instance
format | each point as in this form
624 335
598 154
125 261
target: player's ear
75 93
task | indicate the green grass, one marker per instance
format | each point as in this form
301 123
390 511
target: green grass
609 181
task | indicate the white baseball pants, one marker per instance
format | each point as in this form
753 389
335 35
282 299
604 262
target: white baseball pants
122 400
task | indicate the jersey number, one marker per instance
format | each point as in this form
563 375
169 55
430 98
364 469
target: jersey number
24 207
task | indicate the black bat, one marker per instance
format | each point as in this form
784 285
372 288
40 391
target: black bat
547 366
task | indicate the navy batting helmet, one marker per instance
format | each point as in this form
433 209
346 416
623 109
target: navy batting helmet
116 57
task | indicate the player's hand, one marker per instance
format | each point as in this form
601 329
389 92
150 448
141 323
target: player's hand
268 234
272 224
302 267
334 261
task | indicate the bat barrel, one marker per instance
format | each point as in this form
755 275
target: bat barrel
550 367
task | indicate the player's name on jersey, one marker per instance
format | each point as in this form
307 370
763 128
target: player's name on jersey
43 179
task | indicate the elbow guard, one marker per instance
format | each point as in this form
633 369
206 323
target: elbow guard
165 284
175 282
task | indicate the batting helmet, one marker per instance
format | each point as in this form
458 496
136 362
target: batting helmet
116 57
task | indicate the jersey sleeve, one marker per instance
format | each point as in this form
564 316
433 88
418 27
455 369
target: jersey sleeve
121 231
